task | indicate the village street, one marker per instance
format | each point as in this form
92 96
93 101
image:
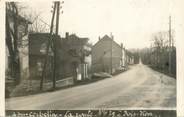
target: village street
140 86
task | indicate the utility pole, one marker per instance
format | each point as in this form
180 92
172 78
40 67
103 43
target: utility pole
47 49
111 51
170 48
51 43
57 16
54 44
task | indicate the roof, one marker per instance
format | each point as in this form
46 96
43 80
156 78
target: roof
106 37
74 38
38 42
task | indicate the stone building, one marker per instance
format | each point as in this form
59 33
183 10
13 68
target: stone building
37 54
72 56
75 57
107 55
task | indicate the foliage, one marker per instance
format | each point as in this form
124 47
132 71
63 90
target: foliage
157 56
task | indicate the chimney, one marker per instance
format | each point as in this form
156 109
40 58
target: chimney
122 45
112 37
66 35
99 38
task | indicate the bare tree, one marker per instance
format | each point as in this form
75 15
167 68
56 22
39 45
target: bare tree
157 55
37 23
158 42
12 39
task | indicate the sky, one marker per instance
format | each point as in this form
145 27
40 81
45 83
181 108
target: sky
131 22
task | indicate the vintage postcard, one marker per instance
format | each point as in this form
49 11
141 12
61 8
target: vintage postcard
92 58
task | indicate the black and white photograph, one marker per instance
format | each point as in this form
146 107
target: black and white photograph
91 58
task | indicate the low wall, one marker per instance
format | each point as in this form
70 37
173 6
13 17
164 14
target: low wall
60 83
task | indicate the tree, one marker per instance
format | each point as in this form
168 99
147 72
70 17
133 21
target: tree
12 14
157 55
37 24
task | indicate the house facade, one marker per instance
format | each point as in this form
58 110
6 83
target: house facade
37 54
107 55
124 58
74 57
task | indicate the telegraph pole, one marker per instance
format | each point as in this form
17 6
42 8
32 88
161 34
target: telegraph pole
170 47
47 49
57 16
54 44
111 52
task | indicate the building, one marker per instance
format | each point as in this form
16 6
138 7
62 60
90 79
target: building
107 55
37 54
72 56
124 59
129 58
75 57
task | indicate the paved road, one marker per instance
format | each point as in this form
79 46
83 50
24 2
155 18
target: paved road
140 86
